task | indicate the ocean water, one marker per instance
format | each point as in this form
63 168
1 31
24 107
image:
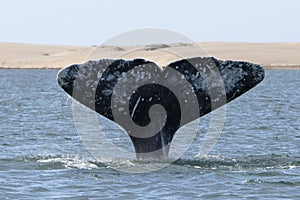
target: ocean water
42 155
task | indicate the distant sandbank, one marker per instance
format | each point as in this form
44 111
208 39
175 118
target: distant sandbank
278 56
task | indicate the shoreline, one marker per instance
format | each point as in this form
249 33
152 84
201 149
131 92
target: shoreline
272 56
273 68
295 67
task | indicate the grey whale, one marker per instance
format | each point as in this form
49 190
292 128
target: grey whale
152 103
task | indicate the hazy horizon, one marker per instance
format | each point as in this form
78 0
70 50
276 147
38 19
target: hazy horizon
93 22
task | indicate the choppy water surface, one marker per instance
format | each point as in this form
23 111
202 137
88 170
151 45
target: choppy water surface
42 156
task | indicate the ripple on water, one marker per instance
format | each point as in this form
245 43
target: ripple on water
42 156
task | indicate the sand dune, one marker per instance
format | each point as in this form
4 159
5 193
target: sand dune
270 55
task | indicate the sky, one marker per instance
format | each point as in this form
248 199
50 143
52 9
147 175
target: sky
92 22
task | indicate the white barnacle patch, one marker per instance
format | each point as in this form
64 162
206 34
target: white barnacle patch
217 99
231 76
89 83
110 77
106 92
99 74
142 75
121 109
194 77
81 76
200 84
119 100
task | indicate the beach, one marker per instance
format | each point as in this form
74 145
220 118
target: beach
282 56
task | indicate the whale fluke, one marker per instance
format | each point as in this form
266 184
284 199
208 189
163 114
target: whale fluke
152 103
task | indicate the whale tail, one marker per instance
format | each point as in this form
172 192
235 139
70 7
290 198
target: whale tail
151 104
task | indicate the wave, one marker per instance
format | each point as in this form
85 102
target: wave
48 163
51 162
270 161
